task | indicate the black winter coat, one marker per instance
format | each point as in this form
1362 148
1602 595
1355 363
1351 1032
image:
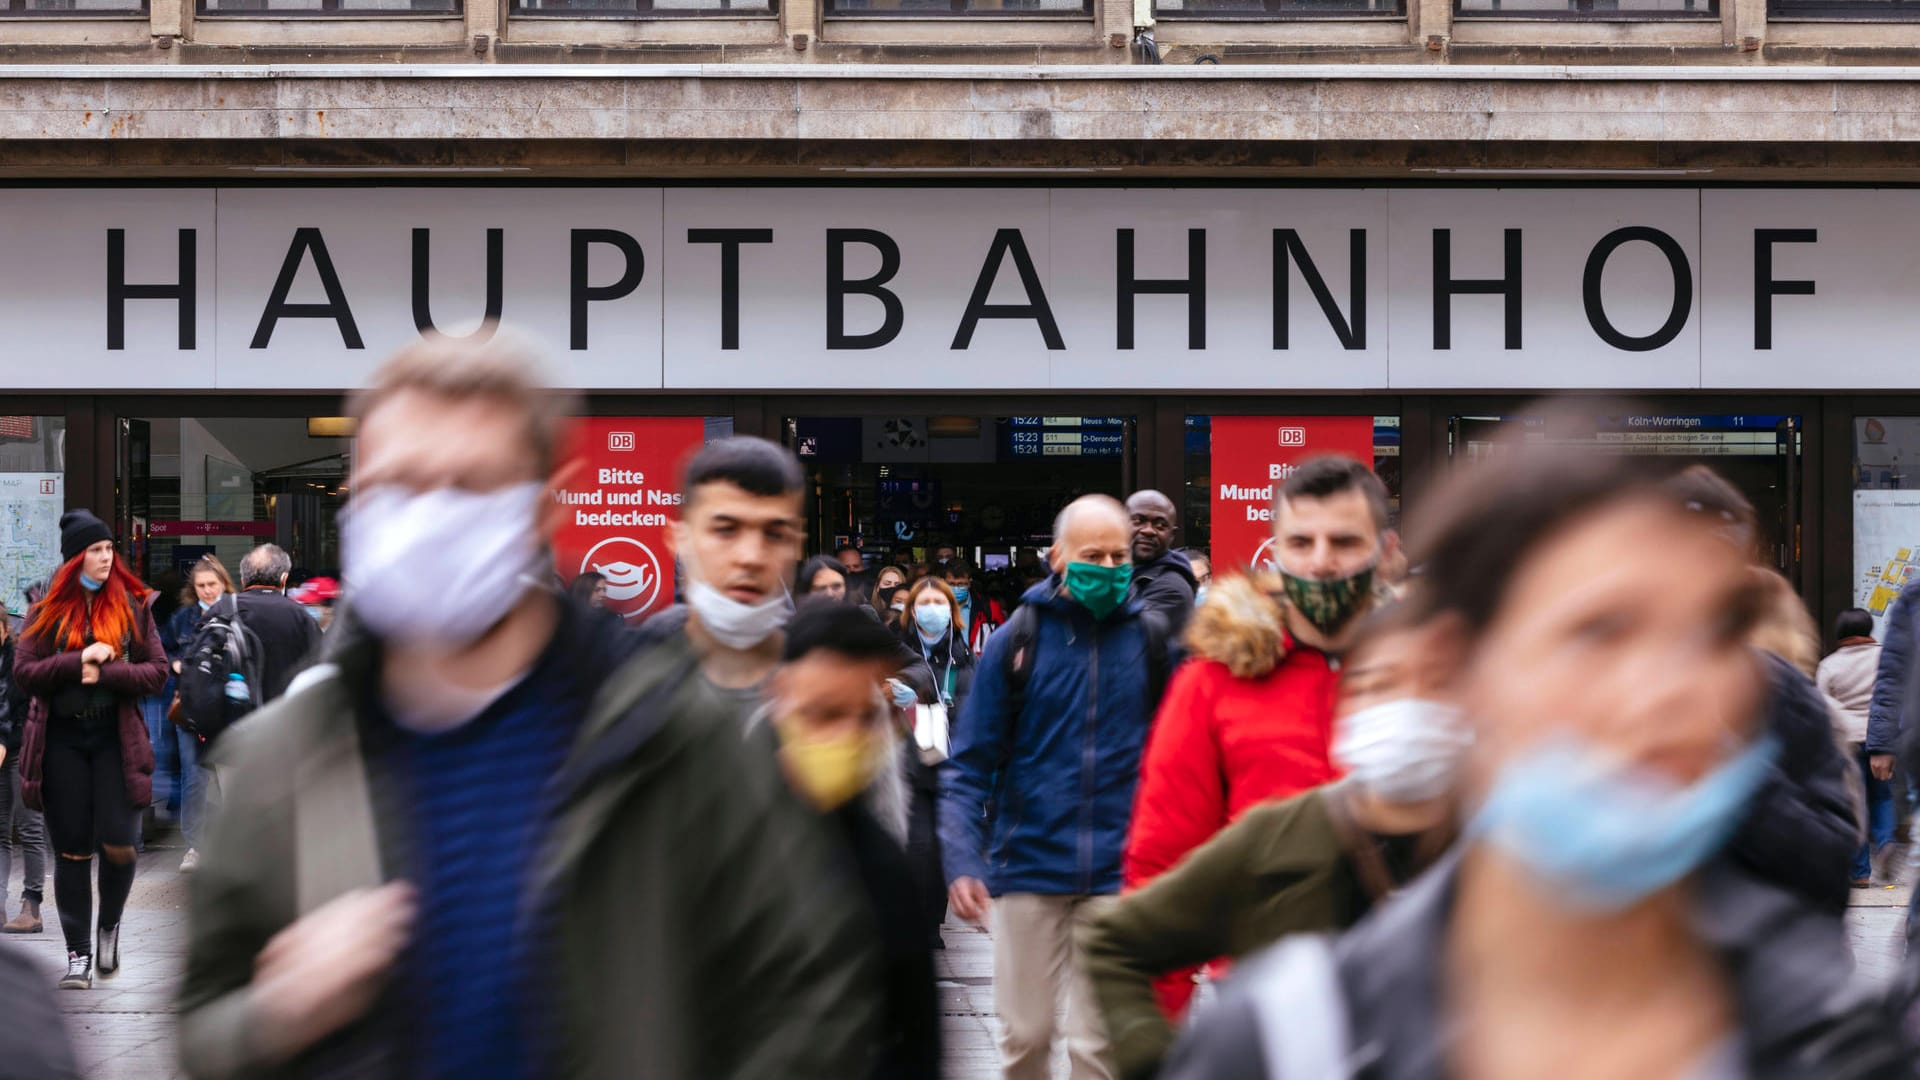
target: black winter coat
1166 585
289 637
1803 827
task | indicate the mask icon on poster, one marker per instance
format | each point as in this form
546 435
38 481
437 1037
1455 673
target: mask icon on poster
631 571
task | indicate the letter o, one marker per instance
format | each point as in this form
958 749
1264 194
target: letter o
1682 289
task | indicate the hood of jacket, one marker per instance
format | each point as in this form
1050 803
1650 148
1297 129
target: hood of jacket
1173 562
1789 995
1240 626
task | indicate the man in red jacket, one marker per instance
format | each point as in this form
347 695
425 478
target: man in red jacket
1250 717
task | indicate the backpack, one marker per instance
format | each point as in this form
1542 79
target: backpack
222 647
1022 629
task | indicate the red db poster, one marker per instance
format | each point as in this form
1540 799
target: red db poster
1251 456
619 503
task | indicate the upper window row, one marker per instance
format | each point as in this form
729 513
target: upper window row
1169 9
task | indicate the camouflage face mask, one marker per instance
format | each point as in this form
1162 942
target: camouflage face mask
1329 603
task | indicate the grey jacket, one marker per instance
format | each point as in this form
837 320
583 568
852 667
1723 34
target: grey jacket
1800 1015
1889 714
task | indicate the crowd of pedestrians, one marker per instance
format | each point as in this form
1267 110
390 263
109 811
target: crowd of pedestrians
1553 787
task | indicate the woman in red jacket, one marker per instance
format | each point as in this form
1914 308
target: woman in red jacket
89 652
1248 719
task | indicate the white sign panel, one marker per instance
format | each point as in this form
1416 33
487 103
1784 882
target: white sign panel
1886 549
974 288
30 508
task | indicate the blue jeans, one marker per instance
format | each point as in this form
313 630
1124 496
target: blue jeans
1879 818
176 766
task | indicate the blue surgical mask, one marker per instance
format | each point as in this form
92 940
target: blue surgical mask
1199 596
960 594
934 620
203 604
1606 835
89 584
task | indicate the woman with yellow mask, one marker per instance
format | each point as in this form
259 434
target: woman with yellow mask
839 747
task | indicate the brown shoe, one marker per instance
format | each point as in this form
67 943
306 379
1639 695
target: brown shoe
27 922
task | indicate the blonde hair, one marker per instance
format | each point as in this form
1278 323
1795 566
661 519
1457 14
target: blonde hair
493 365
212 565
1241 625
1785 627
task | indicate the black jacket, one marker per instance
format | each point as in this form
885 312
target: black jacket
1803 827
289 637
910 1006
13 703
1166 585
1796 1011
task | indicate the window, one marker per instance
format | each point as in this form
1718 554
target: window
985 8
1886 511
658 9
33 495
1279 9
1588 9
62 8
337 8
1845 9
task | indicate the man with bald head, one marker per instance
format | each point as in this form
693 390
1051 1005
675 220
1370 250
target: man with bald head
1051 736
1163 579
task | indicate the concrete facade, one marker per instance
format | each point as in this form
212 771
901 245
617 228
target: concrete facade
763 120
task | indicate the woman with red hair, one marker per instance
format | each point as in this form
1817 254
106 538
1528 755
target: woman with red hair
89 652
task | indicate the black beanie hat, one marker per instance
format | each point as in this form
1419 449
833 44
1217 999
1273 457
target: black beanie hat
80 530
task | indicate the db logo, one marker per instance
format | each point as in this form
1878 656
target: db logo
632 573
1264 560
46 488
619 440
1293 436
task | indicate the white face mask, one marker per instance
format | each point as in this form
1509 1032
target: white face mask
1405 751
732 623
442 567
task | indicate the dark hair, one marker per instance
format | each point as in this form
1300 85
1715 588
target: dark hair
1332 474
581 588
960 567
1486 520
820 625
883 599
1704 491
1853 622
803 581
844 548
755 466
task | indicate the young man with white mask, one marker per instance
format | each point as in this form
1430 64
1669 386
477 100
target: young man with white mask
1250 718
736 542
486 840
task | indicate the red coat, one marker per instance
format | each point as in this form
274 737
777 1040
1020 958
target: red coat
141 672
1222 744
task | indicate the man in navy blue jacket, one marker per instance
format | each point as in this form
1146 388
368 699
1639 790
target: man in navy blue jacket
1051 736
1887 714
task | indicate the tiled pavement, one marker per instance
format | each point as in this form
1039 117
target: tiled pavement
123 1028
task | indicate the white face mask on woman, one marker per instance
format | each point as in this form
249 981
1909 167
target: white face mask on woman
442 567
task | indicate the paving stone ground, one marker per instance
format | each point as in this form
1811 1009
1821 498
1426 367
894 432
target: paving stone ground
123 1029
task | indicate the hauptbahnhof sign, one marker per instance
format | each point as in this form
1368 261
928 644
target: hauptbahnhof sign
264 288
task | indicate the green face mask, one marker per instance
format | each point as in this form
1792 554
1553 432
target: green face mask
1330 603
1099 589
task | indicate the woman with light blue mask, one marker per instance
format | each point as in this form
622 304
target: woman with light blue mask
1589 923
940 675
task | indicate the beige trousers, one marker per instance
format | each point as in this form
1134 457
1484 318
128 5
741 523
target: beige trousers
1035 965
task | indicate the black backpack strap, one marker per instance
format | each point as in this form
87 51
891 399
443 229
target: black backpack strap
1022 630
